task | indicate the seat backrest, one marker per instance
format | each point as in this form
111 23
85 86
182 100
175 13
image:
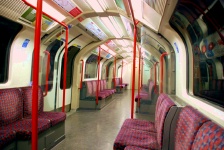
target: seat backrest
27 100
11 106
209 136
151 89
163 108
161 97
101 85
89 86
188 124
104 84
94 82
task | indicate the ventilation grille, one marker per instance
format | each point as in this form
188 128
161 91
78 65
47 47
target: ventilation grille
12 9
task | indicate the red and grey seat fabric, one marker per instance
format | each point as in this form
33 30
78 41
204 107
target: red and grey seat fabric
91 91
103 87
54 117
134 148
11 110
101 95
143 95
6 137
145 134
23 128
209 136
188 124
159 112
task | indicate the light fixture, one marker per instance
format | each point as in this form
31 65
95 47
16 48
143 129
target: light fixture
104 47
103 4
110 26
111 52
114 22
48 9
95 5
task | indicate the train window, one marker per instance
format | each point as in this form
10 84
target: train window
205 33
52 49
8 30
72 52
91 66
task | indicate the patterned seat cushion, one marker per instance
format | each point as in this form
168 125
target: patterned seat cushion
209 136
27 100
188 124
141 96
6 137
11 106
162 112
131 137
134 148
53 117
139 125
23 128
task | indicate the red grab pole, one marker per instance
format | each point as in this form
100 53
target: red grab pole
66 50
65 67
80 85
98 78
142 72
161 72
155 76
34 136
134 55
114 72
122 72
47 70
139 74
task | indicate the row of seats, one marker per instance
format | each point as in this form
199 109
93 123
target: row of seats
103 91
88 95
174 128
119 85
147 92
16 122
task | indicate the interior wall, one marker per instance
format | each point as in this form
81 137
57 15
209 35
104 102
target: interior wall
20 60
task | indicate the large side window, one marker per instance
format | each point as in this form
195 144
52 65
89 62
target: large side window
72 52
8 30
205 32
52 49
91 66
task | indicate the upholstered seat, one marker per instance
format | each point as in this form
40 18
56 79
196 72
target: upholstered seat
141 130
209 136
53 117
23 128
188 124
6 137
131 137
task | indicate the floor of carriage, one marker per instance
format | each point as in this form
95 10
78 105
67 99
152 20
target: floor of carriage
97 130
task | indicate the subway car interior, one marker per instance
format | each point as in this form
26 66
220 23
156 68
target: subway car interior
112 74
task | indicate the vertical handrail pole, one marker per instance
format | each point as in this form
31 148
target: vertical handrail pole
161 72
122 63
65 68
134 55
155 77
139 73
142 72
47 70
80 85
35 77
114 72
98 78
66 49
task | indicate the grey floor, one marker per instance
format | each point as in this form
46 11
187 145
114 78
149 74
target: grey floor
97 129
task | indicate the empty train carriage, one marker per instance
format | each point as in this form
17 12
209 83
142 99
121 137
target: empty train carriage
112 74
